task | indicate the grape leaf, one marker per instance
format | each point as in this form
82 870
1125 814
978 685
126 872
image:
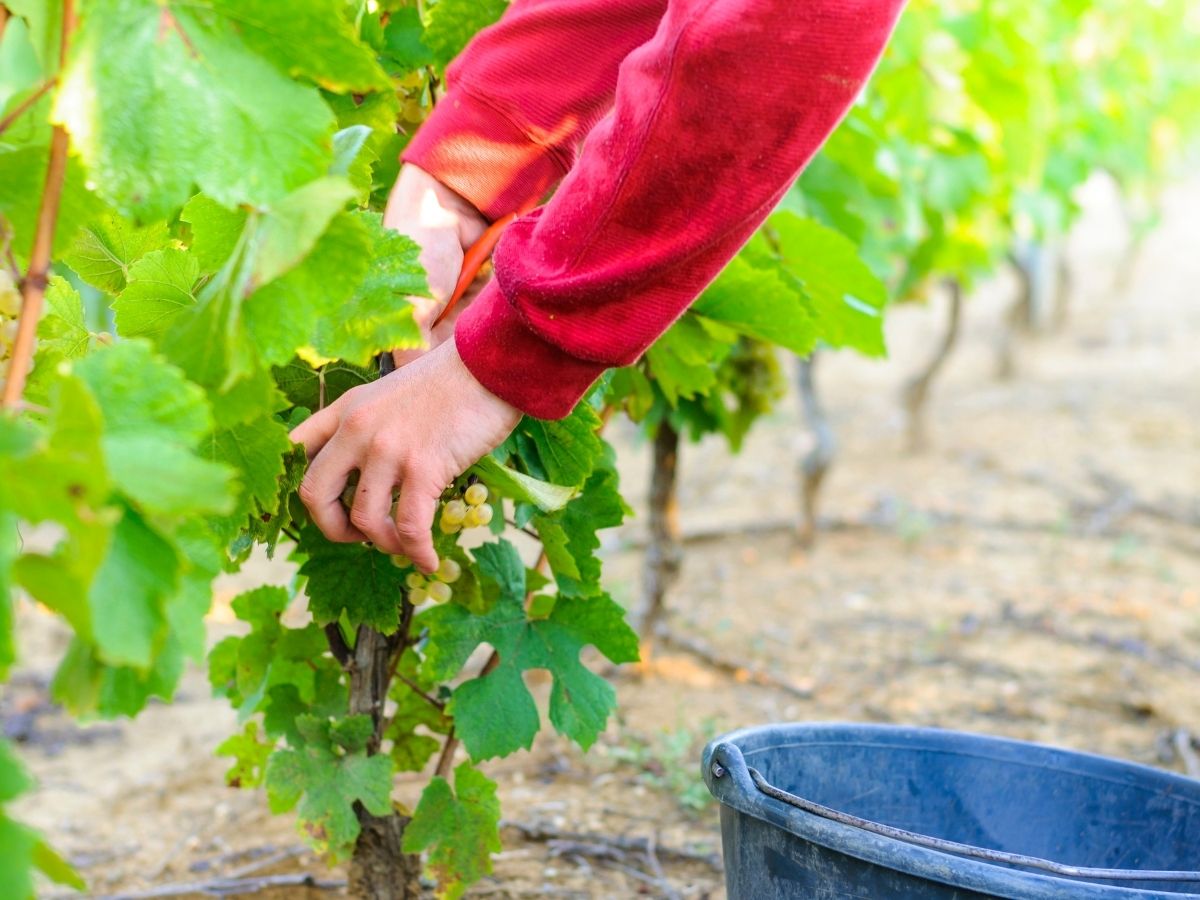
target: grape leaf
570 539
683 360
159 288
379 316
215 231
108 246
350 577
312 40
256 451
22 178
129 591
759 302
171 110
405 39
847 297
521 487
10 545
495 714
287 314
567 448
62 331
326 780
249 757
452 24
460 829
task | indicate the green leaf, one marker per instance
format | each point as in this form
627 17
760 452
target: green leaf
256 451
249 755
138 392
287 232
47 861
452 24
520 487
568 448
216 231
847 297
350 577
109 245
158 290
495 714
14 779
290 312
172 109
460 829
379 316
405 37
313 40
62 331
759 302
326 782
129 592
570 539
10 546
683 360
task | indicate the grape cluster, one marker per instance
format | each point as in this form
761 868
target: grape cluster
436 587
469 511
10 308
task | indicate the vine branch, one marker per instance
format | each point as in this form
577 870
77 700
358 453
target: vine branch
25 105
33 286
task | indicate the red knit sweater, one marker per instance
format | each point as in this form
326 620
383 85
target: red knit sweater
674 127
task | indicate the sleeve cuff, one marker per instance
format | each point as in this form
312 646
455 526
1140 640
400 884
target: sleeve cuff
482 154
515 364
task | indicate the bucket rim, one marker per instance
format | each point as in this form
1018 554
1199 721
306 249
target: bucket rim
735 789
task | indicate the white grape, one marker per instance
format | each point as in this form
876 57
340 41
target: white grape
476 494
415 581
483 514
449 571
419 596
439 592
454 512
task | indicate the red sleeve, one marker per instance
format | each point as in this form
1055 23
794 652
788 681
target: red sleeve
713 119
523 95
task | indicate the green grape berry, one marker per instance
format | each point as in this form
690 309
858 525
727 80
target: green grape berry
417 597
439 592
454 512
415 581
483 514
449 527
472 517
401 562
449 571
476 494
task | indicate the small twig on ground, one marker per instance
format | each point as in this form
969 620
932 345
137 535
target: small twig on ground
622 843
230 887
280 855
739 670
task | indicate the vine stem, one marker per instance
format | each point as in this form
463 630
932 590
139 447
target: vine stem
3 19
33 287
25 105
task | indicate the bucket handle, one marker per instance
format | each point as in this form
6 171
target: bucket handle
944 846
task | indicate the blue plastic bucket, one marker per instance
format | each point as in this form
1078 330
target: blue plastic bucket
870 811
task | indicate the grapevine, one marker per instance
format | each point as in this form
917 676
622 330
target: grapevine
193 261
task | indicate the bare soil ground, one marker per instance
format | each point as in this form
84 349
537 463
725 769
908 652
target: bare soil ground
1035 574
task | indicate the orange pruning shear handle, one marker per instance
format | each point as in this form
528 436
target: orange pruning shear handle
476 257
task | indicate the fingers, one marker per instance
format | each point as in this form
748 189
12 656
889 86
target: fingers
315 431
372 512
415 509
321 492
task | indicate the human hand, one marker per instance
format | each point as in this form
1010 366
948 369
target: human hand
418 428
444 225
